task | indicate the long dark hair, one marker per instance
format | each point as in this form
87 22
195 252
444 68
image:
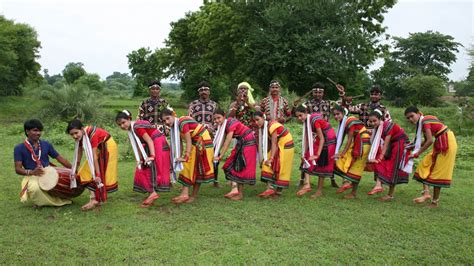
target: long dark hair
74 124
125 114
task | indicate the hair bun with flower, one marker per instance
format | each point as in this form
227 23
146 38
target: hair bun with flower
379 112
127 113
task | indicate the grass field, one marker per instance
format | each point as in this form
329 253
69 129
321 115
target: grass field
213 230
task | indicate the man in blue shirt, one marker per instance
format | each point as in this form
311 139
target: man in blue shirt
31 157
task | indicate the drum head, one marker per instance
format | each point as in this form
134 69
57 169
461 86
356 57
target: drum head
49 179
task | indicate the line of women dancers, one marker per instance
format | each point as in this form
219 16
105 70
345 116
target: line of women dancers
384 150
192 157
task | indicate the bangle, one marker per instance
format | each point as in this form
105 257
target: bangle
415 155
151 156
27 172
186 158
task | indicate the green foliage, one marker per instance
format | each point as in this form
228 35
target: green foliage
18 54
73 71
90 81
120 81
428 54
51 79
298 42
424 90
466 87
145 67
72 101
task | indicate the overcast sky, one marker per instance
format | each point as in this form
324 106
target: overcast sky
100 33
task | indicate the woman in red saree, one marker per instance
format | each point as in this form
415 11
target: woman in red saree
152 153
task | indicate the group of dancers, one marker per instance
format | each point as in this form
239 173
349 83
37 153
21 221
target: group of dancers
261 139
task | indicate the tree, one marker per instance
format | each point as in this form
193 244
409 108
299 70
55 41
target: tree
429 54
51 79
90 81
424 90
19 51
300 42
145 67
120 81
466 87
73 71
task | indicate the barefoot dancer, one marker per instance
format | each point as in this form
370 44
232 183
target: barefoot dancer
391 159
351 161
152 154
99 174
278 162
241 165
436 168
317 152
195 165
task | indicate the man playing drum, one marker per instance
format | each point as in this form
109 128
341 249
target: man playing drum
32 161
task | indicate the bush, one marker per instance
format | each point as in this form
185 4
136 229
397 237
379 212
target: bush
424 90
71 102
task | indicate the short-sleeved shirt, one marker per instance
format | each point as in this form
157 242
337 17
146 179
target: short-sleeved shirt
144 127
393 130
278 128
150 110
318 121
96 135
353 125
202 112
432 123
364 109
234 125
319 106
276 108
187 124
23 155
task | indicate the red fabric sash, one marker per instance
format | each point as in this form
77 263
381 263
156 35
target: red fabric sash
441 144
276 163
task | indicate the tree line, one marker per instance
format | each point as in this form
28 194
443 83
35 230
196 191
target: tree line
296 42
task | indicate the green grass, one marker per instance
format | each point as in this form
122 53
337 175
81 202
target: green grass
213 230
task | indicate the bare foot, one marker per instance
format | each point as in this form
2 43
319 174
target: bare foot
422 199
350 196
190 200
238 196
180 199
386 198
317 194
90 205
303 191
433 204
333 183
231 193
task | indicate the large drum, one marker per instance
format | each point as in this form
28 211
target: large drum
56 182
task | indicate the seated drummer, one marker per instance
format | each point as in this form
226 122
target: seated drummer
31 157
